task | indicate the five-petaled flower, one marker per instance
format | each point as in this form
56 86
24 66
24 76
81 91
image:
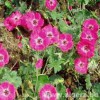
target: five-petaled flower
51 4
81 65
48 92
7 91
65 42
4 56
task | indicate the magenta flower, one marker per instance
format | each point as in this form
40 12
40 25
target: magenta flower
68 92
89 36
65 42
38 41
4 57
51 33
48 92
91 24
85 49
51 4
39 64
8 24
7 91
15 18
32 20
81 65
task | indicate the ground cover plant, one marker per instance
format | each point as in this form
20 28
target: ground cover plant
49 49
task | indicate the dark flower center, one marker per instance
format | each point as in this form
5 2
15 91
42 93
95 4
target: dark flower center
39 41
90 27
16 18
48 94
1 57
86 48
89 37
81 64
51 2
50 35
35 22
64 42
6 92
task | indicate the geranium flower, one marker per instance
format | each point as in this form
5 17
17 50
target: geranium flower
89 36
51 33
7 91
65 42
51 4
8 24
48 92
91 24
38 41
81 65
32 20
85 49
15 18
39 64
4 57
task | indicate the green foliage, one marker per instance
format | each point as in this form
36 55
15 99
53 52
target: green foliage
10 76
63 26
88 82
43 79
8 4
22 7
56 79
61 91
95 94
29 79
79 92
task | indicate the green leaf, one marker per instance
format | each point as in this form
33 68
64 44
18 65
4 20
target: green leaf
12 77
92 64
56 64
56 79
42 79
8 4
88 82
96 88
86 1
63 26
79 92
23 7
61 91
71 2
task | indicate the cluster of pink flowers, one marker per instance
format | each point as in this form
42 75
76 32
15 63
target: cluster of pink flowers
41 36
4 56
48 35
86 45
7 91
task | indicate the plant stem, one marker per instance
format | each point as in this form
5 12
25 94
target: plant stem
37 74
